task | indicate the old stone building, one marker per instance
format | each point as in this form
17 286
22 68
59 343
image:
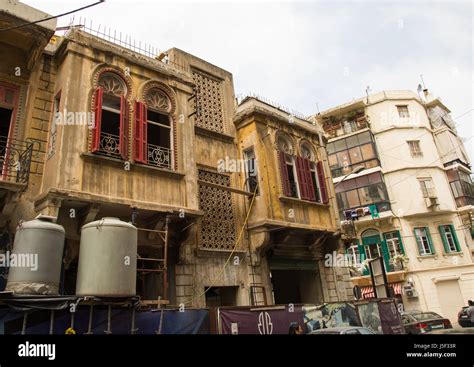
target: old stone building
294 223
117 131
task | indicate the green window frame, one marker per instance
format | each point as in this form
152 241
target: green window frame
400 243
420 245
444 237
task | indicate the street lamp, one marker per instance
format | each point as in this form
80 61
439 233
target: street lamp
355 170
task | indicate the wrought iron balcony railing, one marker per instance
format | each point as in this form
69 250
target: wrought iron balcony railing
109 145
15 160
159 156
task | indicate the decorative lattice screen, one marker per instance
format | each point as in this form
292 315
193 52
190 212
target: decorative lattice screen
209 103
218 222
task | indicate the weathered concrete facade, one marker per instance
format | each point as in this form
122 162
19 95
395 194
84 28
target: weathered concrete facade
292 227
116 133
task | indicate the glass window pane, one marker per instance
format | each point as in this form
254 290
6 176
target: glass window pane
340 145
352 141
343 158
332 159
356 155
375 177
330 148
372 163
364 137
457 188
342 201
362 181
365 198
352 198
350 184
367 151
452 175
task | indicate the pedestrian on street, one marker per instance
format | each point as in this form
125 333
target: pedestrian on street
295 328
470 311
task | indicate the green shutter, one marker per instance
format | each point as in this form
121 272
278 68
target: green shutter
386 255
402 249
420 247
361 250
430 241
455 236
442 234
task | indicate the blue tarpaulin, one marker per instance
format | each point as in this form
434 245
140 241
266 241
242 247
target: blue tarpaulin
146 322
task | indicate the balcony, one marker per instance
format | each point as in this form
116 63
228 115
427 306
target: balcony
15 160
109 145
159 156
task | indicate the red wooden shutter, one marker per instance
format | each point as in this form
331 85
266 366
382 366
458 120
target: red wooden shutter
322 182
139 146
137 135
95 144
309 180
302 181
285 182
144 134
124 113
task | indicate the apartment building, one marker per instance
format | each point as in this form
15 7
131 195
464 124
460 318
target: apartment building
404 192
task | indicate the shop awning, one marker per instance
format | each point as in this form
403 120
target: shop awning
368 292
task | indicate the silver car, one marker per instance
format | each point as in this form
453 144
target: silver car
348 330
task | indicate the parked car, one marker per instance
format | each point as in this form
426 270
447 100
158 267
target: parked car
465 330
463 318
417 322
347 330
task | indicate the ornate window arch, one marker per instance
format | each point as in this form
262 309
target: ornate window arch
112 84
111 114
307 151
155 138
285 144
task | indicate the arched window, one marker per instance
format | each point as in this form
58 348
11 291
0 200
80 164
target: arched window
284 144
153 130
307 151
302 177
111 112
310 174
372 243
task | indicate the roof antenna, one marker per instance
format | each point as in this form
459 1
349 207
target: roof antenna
317 108
422 81
367 90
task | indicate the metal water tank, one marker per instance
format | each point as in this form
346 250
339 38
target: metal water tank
36 258
107 259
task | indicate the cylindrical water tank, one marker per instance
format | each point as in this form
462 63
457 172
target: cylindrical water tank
36 259
107 259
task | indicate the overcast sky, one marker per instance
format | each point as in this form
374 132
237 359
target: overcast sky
307 53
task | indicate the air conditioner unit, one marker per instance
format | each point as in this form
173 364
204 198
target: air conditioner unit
410 291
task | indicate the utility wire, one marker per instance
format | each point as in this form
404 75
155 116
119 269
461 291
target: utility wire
52 17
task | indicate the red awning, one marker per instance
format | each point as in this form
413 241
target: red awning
368 292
